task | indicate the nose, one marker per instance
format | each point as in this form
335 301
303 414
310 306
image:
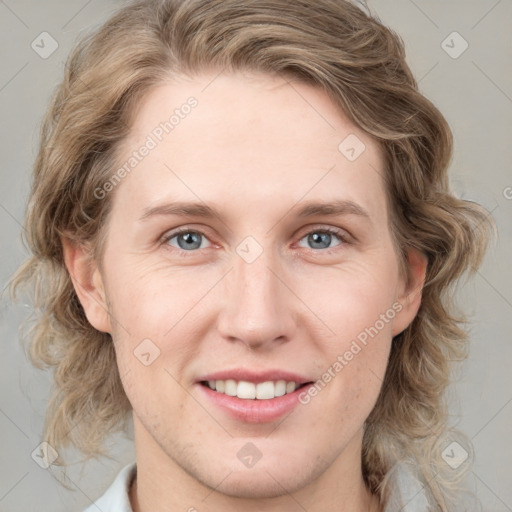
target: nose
257 306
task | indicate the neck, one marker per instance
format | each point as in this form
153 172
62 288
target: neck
163 485
372 503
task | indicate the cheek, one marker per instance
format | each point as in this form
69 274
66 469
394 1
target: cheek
351 299
155 323
359 308
155 298
347 392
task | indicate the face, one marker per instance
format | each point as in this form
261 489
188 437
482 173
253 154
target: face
293 277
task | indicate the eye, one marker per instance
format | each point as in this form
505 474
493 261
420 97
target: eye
186 239
190 240
322 238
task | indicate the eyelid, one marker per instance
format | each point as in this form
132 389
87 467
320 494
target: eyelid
342 233
344 239
168 235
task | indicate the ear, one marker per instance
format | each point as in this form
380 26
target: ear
88 283
410 291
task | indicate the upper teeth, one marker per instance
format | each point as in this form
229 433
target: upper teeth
249 390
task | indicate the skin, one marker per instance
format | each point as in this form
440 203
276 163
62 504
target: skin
256 148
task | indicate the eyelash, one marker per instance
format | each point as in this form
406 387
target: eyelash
340 234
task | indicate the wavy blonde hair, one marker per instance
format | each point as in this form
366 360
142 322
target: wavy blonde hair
360 63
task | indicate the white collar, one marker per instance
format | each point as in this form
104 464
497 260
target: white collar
116 497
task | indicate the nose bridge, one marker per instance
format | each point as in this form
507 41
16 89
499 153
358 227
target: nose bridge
257 309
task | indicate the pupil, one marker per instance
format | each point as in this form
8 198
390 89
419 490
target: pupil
317 238
189 238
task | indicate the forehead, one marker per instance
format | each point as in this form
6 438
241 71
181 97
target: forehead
250 138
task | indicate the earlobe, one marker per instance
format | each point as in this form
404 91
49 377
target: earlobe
87 282
411 291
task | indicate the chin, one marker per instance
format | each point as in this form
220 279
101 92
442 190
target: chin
259 484
270 477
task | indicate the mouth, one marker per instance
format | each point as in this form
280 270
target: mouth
250 402
254 395
246 390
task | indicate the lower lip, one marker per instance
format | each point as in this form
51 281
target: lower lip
255 411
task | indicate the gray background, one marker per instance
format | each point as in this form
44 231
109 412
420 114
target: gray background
474 91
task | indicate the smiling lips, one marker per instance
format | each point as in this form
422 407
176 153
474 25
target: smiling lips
250 391
254 397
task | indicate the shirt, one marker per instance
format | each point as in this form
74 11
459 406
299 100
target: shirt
406 494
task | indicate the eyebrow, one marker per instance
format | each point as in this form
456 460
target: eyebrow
309 209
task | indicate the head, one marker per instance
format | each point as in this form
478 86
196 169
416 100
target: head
256 121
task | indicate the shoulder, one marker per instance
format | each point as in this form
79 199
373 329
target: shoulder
116 497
